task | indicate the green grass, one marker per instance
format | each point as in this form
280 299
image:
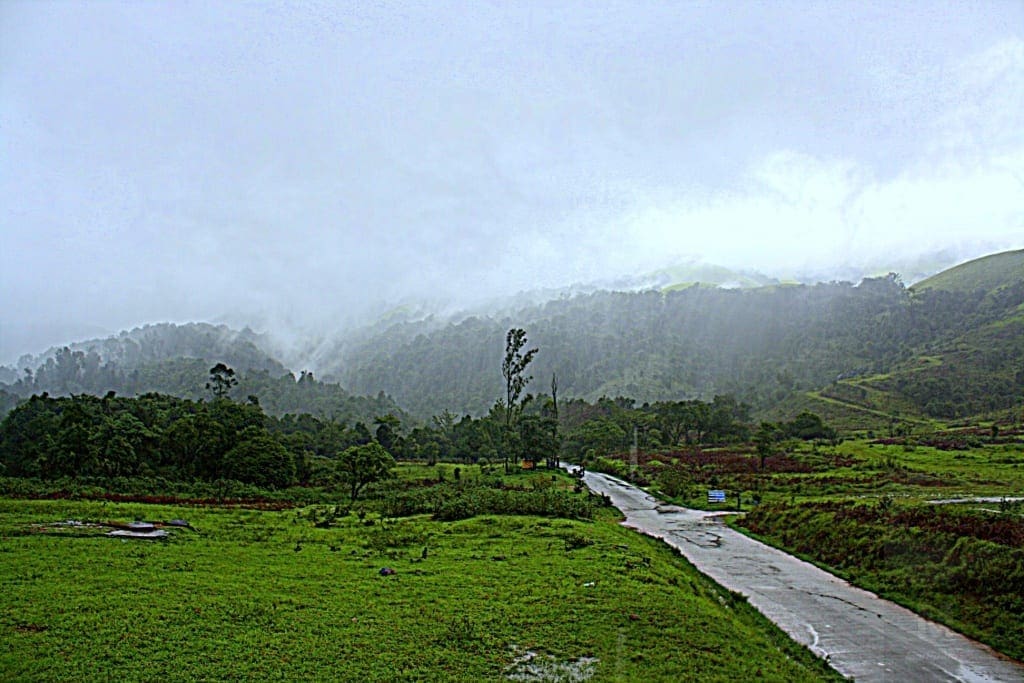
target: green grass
269 596
856 469
984 273
846 416
985 470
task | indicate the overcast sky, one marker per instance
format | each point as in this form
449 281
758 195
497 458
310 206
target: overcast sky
303 163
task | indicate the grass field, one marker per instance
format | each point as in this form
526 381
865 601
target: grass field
940 465
260 595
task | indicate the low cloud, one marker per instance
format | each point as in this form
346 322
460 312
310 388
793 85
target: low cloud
308 169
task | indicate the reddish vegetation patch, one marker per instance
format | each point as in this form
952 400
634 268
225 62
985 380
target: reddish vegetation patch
738 461
1004 530
962 439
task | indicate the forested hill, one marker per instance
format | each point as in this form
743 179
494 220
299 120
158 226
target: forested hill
763 345
949 347
150 344
176 360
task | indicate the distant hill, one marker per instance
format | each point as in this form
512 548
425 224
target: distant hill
154 343
687 274
876 348
869 353
176 360
988 273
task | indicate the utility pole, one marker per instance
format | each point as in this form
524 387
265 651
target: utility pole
633 451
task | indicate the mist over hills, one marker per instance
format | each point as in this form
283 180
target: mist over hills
304 335
322 349
952 345
176 360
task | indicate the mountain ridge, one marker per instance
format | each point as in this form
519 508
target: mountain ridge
766 344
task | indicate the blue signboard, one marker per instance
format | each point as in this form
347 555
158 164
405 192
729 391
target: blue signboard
716 496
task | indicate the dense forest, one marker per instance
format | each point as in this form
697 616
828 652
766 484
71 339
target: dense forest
156 435
951 346
160 436
763 345
175 360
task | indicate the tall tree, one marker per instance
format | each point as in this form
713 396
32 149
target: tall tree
387 430
513 369
554 397
766 439
222 378
553 457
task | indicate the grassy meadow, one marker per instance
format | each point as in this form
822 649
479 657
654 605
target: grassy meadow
298 594
940 465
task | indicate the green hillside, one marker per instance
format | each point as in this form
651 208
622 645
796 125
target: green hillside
947 348
987 273
870 351
681 276
176 360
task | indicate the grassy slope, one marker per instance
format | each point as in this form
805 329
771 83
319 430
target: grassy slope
846 415
867 403
986 273
260 595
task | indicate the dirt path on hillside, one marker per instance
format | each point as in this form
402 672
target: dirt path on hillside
858 633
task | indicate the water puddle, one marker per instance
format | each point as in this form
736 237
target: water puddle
532 666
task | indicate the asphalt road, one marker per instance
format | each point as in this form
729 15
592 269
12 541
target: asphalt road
858 633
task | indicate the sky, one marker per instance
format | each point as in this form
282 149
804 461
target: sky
304 166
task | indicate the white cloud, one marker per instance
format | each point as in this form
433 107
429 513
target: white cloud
796 210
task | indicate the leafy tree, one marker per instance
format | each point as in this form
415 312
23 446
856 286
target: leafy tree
766 440
513 369
536 438
729 418
361 434
806 426
472 440
260 459
222 378
600 435
672 420
387 430
365 464
182 446
698 416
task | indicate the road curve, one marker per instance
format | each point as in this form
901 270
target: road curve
858 633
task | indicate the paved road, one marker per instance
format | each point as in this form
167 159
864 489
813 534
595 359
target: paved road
860 634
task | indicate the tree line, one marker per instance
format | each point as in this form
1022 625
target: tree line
156 435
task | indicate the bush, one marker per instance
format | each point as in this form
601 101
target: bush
449 502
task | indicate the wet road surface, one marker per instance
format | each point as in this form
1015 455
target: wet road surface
858 633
